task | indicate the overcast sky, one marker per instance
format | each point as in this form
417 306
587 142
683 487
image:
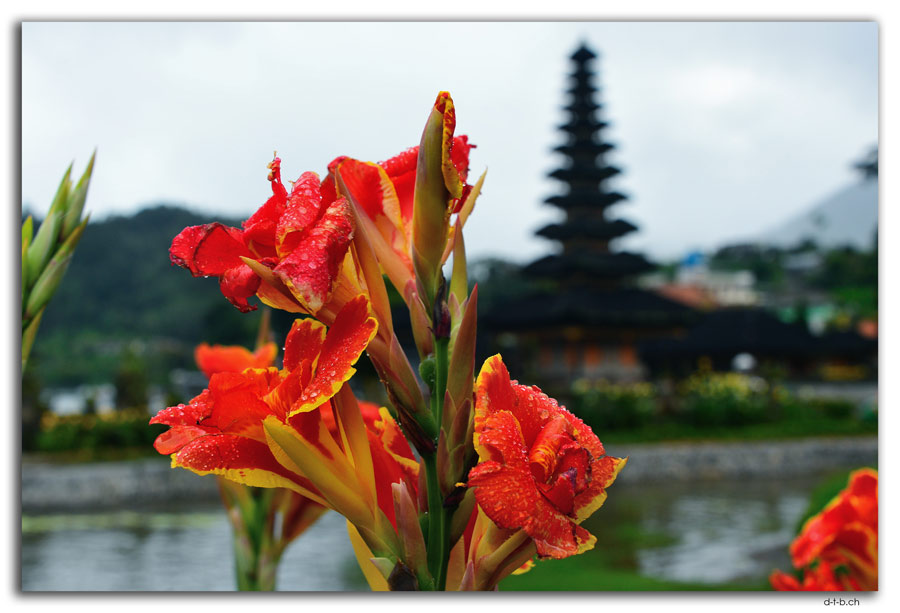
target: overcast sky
722 129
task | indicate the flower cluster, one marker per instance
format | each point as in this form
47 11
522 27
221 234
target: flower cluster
837 549
456 483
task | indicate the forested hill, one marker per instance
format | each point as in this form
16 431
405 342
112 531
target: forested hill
121 288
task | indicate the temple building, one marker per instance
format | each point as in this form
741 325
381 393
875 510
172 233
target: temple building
585 315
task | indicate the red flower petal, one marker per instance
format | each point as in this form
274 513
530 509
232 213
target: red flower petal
191 414
302 210
259 230
312 268
239 459
347 338
546 446
174 439
402 171
561 493
507 494
237 402
459 154
364 182
238 284
303 343
232 358
208 250
784 582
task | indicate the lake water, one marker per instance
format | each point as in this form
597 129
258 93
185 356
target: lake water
698 532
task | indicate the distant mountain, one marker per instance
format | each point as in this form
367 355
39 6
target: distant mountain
849 217
122 296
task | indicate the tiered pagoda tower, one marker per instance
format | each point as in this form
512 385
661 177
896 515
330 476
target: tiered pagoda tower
586 233
587 317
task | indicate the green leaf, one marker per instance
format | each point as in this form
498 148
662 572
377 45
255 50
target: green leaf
27 233
47 283
41 249
52 275
462 350
459 280
28 335
61 198
77 200
461 516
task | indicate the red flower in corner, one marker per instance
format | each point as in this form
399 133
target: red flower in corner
541 468
821 577
290 251
837 549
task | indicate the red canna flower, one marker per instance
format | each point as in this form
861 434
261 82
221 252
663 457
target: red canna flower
541 468
289 253
837 549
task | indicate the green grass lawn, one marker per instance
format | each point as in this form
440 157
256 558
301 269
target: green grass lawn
573 574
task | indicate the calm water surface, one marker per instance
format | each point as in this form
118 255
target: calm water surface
176 550
699 532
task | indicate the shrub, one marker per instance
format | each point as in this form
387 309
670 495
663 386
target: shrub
127 428
609 406
834 408
724 399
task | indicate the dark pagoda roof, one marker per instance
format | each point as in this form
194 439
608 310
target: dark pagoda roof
584 147
848 344
723 334
583 106
579 198
585 307
584 173
597 265
582 90
583 54
588 228
728 332
583 124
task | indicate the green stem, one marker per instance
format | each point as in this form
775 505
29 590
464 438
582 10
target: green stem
256 554
438 522
435 512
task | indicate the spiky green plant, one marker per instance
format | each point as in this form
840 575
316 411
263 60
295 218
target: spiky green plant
46 256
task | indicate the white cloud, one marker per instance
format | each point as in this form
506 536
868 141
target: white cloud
721 127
